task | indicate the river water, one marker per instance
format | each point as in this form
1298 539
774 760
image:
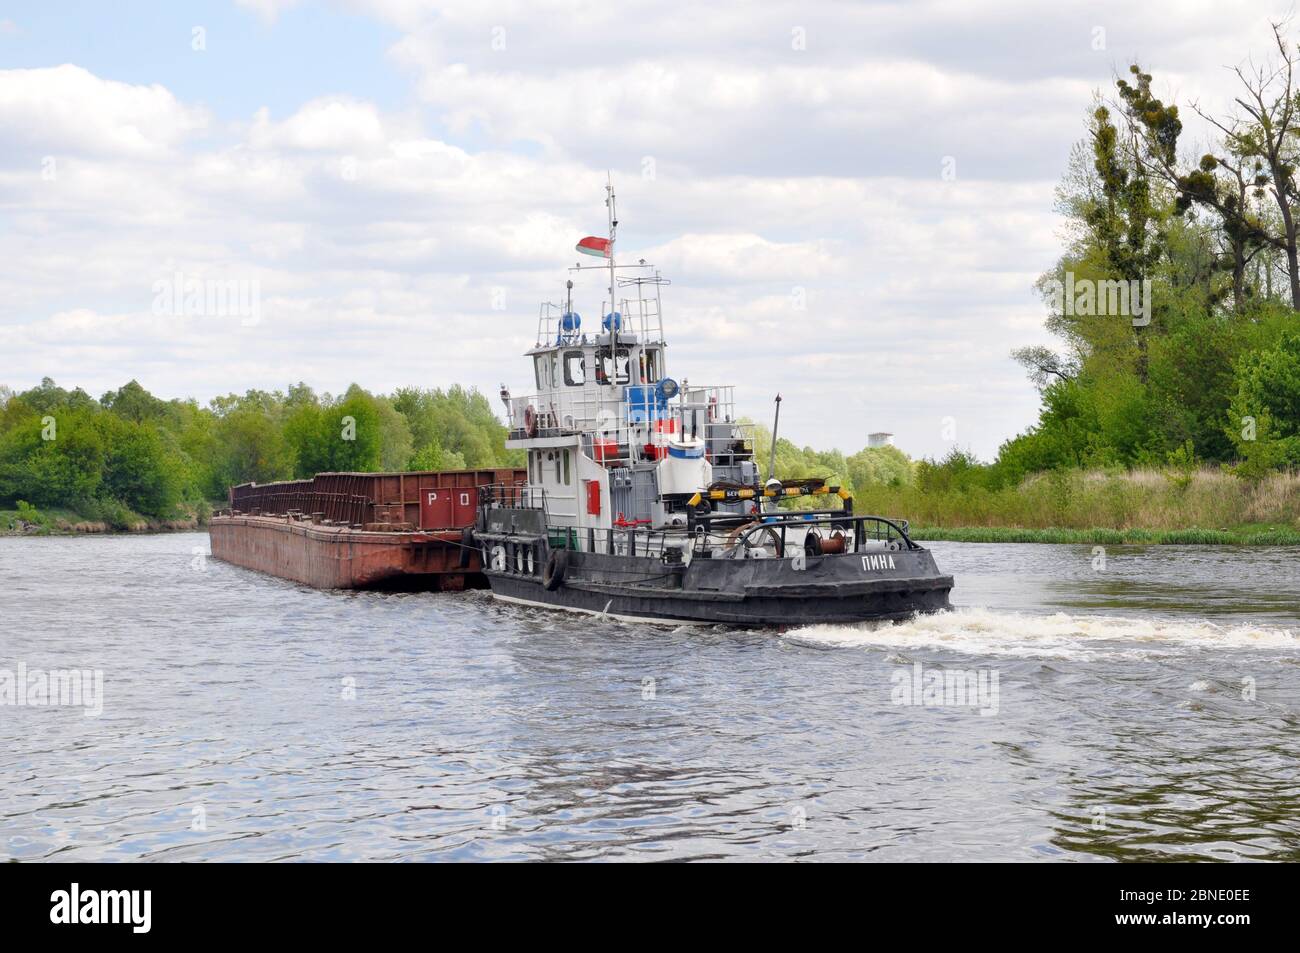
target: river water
1140 703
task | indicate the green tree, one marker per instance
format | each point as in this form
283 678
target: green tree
457 421
879 466
58 464
139 469
303 427
1264 422
250 448
395 441
349 435
433 457
133 402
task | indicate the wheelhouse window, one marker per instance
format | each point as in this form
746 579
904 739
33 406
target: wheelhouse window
614 367
567 481
575 368
650 371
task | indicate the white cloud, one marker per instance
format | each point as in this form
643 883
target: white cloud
268 10
335 124
67 109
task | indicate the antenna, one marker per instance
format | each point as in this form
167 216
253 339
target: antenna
776 424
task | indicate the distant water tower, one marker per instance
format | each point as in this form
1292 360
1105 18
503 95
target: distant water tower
880 440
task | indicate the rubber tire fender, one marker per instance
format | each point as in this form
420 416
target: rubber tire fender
467 546
556 565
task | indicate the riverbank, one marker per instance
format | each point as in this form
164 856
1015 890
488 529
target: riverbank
28 521
1234 536
1142 507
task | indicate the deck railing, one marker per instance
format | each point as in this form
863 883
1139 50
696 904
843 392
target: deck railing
520 495
619 430
641 316
835 532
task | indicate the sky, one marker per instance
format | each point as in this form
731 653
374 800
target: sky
851 199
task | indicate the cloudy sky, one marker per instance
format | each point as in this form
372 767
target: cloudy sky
852 199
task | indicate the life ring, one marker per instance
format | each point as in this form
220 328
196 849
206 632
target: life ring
553 573
530 421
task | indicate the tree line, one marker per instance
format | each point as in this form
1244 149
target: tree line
130 452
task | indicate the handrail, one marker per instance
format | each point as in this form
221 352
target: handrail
763 523
519 495
608 416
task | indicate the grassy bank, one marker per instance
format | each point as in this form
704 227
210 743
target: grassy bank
1236 536
26 520
1204 506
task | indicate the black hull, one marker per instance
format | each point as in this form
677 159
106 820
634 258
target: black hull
762 592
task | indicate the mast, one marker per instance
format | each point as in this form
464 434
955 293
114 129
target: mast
776 425
613 227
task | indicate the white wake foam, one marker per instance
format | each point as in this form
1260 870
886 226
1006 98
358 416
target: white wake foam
1061 635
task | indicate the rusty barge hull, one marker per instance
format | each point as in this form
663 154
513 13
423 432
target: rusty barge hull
339 557
359 530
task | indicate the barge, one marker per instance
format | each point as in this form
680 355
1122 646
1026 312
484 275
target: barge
360 530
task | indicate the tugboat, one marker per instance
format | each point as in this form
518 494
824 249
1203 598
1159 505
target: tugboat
643 500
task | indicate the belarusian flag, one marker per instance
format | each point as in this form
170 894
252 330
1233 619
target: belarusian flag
594 246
